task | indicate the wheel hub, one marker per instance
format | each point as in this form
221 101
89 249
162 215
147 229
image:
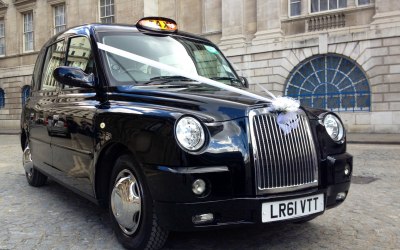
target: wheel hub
126 202
27 161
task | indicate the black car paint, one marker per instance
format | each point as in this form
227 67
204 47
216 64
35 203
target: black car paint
104 121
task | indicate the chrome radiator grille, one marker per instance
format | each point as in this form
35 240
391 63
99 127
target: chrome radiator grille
282 162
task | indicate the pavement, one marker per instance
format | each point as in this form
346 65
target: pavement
363 138
374 138
53 217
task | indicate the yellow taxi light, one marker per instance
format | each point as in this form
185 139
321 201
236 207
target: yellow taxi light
157 24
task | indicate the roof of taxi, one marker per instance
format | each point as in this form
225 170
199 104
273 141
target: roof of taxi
90 29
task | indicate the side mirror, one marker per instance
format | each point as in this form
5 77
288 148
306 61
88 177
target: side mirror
74 77
244 81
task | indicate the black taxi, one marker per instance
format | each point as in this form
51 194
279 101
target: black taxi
155 125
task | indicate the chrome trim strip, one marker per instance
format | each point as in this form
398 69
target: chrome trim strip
194 170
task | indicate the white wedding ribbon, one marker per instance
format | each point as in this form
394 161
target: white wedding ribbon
286 107
180 72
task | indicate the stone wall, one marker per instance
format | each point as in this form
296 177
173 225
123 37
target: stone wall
12 82
258 36
377 52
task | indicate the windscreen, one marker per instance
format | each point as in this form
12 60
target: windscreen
187 55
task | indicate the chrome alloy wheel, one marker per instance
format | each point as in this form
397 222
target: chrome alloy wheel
27 161
126 201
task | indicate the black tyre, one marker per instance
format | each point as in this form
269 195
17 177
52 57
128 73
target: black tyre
33 176
131 208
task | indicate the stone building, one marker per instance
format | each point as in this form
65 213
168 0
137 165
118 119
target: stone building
342 55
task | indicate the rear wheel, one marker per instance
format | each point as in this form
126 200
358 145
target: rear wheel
131 208
33 176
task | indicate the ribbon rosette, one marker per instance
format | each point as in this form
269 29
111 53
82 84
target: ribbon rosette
286 108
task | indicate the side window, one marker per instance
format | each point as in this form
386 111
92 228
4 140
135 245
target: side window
54 58
80 54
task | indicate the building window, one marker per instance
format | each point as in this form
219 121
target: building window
59 18
2 38
324 5
28 31
2 99
364 2
107 11
295 7
330 82
25 94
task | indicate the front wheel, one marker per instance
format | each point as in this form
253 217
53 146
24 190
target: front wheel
33 176
131 208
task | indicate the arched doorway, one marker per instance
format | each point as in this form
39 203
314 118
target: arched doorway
330 82
2 99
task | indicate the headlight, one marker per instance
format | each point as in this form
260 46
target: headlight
189 133
333 127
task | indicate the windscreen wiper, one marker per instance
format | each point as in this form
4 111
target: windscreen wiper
167 79
170 78
233 80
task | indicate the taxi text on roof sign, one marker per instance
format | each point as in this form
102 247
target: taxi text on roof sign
157 24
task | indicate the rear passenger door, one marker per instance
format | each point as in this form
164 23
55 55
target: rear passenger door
75 108
40 106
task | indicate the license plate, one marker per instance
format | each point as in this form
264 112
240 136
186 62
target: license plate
288 209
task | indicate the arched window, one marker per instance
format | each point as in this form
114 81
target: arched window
25 94
330 82
2 99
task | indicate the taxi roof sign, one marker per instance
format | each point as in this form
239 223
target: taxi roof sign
161 24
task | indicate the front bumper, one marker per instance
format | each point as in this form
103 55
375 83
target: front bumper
230 212
242 211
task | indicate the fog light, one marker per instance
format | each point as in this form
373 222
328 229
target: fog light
347 169
199 187
202 218
341 196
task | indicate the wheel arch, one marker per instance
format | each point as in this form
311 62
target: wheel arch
104 166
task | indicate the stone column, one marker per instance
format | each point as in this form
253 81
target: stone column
189 15
168 8
387 13
212 16
232 24
150 7
269 27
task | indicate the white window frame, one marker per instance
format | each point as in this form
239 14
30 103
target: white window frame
110 4
3 36
60 26
25 23
367 4
290 8
325 11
